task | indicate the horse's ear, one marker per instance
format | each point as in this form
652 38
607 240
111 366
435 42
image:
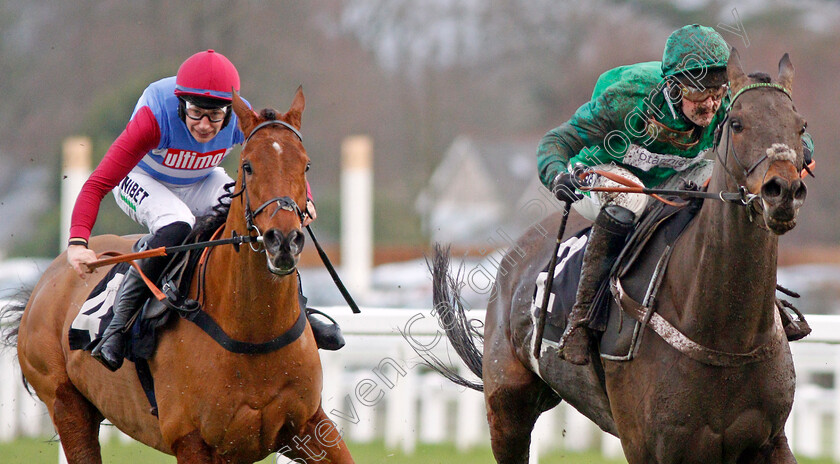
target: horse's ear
786 72
737 78
296 110
247 117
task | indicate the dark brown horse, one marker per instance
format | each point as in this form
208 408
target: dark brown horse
719 394
214 405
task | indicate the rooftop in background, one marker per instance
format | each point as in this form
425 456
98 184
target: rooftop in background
484 192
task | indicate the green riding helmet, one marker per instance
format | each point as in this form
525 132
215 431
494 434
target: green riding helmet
696 56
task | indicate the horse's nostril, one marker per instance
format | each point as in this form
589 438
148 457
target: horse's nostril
297 240
772 188
800 192
271 239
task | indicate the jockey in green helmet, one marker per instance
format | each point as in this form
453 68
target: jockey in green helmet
651 123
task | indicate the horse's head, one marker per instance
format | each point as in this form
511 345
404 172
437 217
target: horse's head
272 180
762 139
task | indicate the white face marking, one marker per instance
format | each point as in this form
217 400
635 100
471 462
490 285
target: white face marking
781 152
277 147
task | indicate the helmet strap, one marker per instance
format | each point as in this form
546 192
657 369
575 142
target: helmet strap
182 110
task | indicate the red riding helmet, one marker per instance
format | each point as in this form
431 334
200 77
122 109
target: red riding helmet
207 74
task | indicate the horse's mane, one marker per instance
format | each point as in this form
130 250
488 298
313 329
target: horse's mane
269 114
760 76
205 226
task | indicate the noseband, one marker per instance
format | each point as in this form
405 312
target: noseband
284 203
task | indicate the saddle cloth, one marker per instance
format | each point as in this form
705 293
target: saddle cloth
98 310
616 331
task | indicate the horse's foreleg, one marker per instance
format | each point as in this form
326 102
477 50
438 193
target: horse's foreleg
781 452
319 441
77 422
191 449
777 452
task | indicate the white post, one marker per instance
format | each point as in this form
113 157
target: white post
75 171
835 440
579 431
8 397
357 212
471 419
433 408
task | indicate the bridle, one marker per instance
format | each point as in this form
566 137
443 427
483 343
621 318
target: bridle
749 199
284 203
747 170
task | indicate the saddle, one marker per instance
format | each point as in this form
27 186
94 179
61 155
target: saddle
636 266
97 311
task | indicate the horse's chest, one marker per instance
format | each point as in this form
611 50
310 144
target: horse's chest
246 418
239 404
704 409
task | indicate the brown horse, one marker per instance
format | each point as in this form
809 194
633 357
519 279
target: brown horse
214 405
722 392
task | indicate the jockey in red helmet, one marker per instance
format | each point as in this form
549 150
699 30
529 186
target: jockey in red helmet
164 172
205 81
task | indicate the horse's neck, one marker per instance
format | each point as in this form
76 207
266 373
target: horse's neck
724 271
247 301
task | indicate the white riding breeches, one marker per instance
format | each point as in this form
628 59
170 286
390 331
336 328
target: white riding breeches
592 202
156 204
590 205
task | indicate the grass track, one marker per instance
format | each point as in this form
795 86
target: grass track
32 451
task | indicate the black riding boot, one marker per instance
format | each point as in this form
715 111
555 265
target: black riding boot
606 240
110 349
133 292
327 336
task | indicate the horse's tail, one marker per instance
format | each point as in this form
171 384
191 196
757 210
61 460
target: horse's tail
10 316
449 308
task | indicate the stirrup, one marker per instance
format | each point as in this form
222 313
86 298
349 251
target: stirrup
796 328
327 336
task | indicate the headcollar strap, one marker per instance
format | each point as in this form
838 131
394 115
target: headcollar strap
756 85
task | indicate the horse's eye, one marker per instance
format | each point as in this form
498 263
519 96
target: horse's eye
308 165
804 126
246 166
736 126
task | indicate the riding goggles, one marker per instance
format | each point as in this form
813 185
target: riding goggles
699 95
213 114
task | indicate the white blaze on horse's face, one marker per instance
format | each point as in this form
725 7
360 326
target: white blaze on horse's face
781 152
277 147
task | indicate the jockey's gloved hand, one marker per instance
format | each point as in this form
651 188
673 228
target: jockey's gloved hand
563 186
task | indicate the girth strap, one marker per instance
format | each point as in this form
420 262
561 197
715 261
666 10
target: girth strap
687 346
209 326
